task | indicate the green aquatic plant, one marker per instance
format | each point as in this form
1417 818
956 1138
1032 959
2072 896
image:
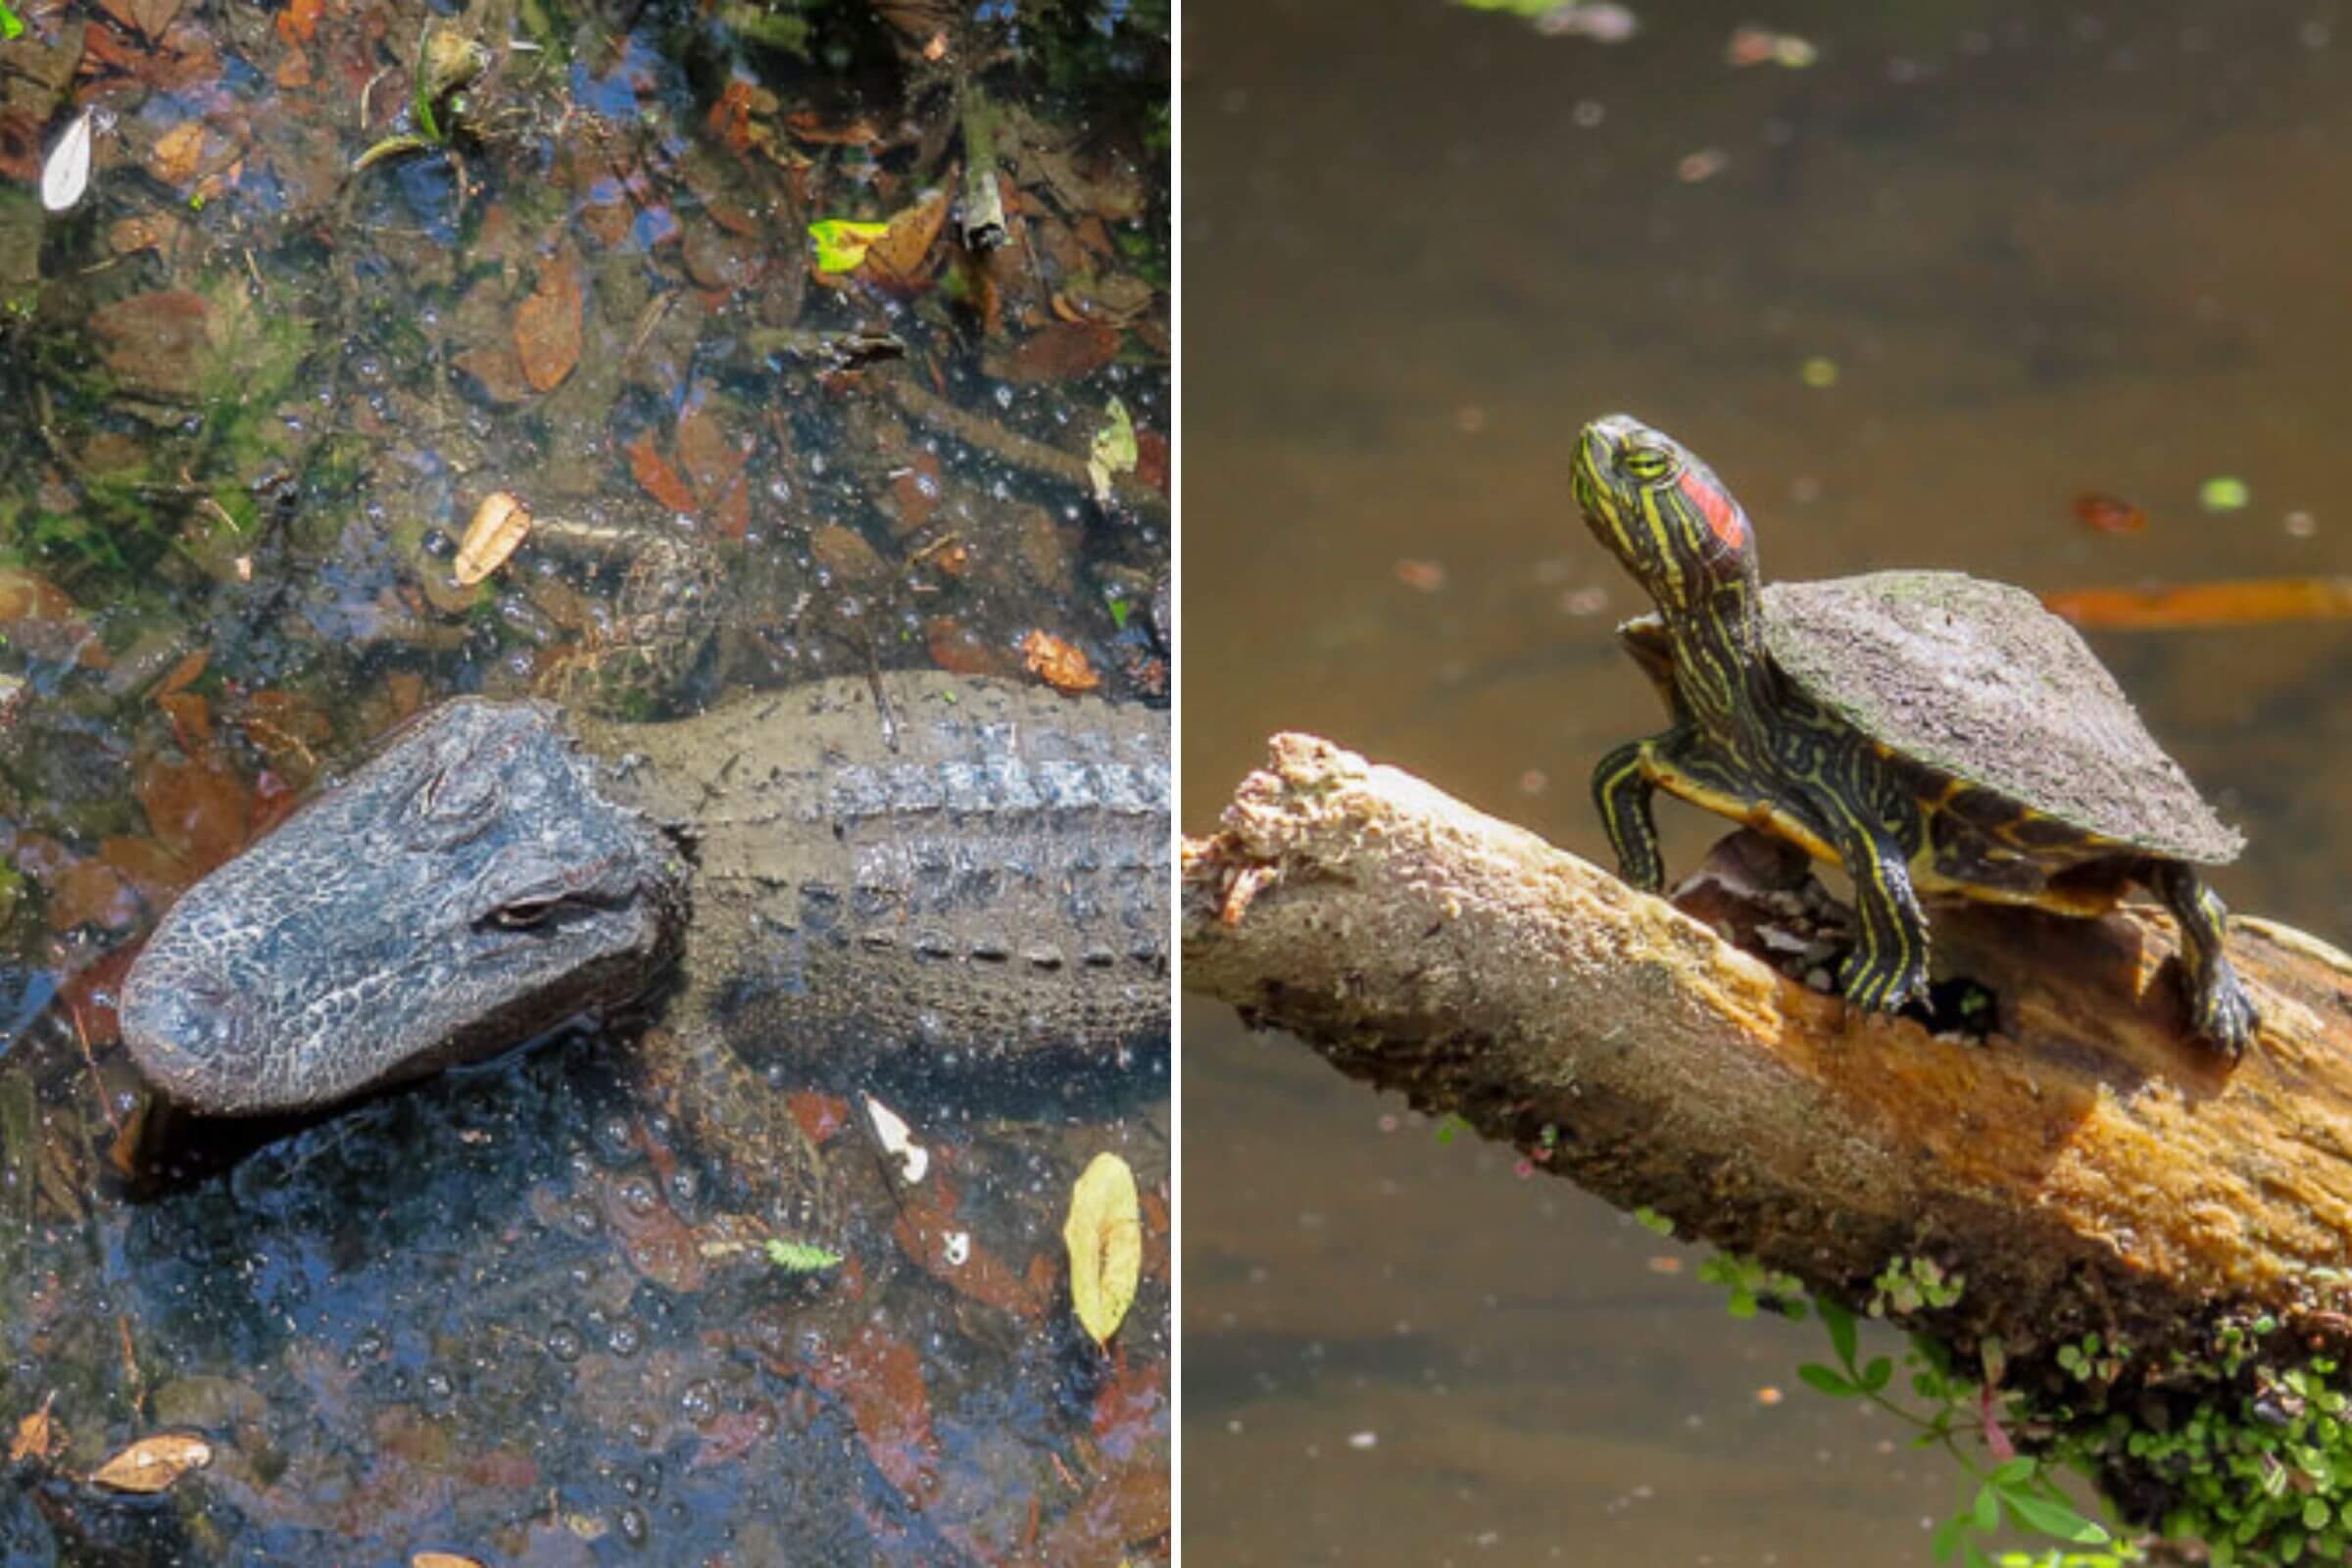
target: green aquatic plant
2019 1489
2241 1444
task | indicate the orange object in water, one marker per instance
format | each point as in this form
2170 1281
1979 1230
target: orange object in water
2110 513
2254 602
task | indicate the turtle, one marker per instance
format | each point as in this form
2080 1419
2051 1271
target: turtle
1928 731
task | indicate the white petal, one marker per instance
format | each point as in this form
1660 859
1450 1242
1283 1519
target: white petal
66 173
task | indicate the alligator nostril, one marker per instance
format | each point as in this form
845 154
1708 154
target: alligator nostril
192 1020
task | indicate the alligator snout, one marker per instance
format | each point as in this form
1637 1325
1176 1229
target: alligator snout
348 950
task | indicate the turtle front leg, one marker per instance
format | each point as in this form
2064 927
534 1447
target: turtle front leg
1888 965
1622 787
2218 1003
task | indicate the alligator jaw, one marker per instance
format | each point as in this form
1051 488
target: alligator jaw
468 886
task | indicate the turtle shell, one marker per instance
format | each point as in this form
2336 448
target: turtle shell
1979 681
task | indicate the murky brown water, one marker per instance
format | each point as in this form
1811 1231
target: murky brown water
2046 251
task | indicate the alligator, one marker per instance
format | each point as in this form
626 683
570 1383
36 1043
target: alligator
963 867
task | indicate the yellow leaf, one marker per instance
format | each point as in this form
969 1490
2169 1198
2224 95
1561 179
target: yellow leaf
442 1559
1105 1237
841 242
153 1463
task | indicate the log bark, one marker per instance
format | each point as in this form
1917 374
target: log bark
2090 1167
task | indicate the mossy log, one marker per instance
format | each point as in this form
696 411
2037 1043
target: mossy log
2087 1167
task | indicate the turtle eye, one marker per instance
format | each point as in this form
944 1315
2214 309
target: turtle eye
1645 465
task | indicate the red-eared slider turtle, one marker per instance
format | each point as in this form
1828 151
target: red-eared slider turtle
1922 729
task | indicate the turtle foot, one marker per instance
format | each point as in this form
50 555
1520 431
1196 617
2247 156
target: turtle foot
1880 983
2223 1013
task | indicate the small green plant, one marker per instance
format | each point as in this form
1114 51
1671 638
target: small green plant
1753 1285
1650 1220
10 27
2017 1487
799 1257
1909 1284
2091 1359
1449 1125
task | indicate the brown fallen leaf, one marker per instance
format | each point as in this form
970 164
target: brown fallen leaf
149 18
500 525
191 719
38 1438
153 1463
547 325
185 671
177 153
959 650
1058 663
198 810
297 21
880 1379
442 1559
655 476
1063 351
897 260
94 893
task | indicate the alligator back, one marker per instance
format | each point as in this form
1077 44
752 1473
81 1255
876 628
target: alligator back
982 869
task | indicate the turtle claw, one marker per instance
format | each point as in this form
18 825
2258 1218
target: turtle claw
2223 1013
1878 983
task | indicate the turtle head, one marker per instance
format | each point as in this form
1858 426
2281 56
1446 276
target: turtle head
1663 514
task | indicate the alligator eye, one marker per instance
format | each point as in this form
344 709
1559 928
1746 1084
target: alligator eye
523 913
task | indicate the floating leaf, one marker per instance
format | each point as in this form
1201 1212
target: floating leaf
442 1559
66 172
799 1257
2109 513
500 525
2253 602
1058 663
842 242
153 1463
2224 493
1105 1237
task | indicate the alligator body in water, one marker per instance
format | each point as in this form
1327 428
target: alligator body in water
982 868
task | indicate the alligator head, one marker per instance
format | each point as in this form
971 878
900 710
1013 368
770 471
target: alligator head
466 888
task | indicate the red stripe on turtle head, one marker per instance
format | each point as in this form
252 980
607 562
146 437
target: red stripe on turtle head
1725 519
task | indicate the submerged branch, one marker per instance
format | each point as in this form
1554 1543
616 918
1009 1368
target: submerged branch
2091 1167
